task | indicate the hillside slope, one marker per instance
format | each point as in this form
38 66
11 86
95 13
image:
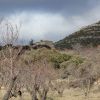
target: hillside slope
89 35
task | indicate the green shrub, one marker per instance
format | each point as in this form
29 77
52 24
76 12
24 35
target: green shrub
59 58
77 60
52 56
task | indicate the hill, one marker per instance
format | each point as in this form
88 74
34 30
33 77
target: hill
87 36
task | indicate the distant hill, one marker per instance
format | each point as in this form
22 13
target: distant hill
87 36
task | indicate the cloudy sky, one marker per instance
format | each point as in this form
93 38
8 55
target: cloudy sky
50 19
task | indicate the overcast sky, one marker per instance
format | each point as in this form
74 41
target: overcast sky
50 19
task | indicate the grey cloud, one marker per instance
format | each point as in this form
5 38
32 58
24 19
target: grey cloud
58 6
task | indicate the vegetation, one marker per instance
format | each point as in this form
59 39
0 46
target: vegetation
45 72
88 36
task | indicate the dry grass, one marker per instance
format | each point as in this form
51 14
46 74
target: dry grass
69 94
76 94
26 96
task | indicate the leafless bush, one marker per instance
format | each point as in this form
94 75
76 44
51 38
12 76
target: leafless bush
85 76
60 86
37 75
9 69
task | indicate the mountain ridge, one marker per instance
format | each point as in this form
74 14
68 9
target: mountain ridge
86 36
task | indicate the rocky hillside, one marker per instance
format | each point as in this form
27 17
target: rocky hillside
87 36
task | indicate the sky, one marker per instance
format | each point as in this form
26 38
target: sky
50 19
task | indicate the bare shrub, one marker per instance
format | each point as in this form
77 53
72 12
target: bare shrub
9 69
37 76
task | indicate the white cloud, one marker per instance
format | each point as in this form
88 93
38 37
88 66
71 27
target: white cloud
38 25
52 26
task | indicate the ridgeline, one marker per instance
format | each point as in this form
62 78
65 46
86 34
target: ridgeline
87 36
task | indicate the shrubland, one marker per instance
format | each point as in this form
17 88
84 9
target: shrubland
42 71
